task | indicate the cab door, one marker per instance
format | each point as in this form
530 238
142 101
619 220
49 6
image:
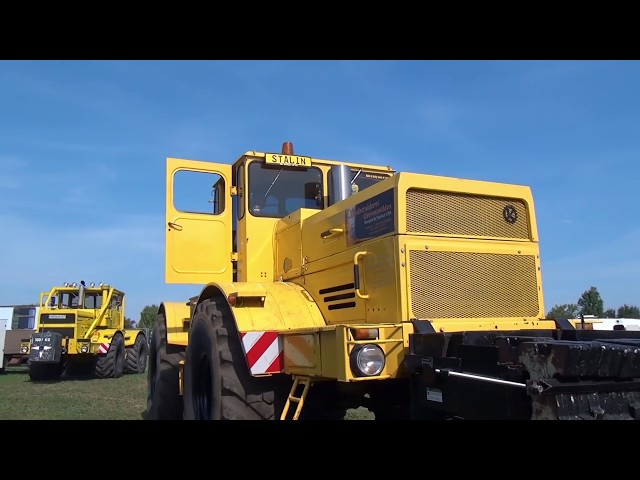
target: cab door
198 222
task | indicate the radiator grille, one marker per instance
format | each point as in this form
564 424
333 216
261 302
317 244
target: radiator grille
461 214
472 285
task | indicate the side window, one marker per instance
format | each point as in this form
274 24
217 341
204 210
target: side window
198 192
93 300
361 180
116 302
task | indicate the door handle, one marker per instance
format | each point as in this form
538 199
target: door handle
175 226
356 274
332 232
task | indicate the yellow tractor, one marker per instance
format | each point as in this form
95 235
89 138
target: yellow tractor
329 285
81 329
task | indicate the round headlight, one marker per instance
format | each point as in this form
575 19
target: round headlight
23 349
367 360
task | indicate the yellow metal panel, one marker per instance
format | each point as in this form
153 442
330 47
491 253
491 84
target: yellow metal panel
288 255
130 336
256 249
286 307
198 245
288 244
429 213
325 354
176 314
329 232
331 282
333 354
499 324
463 214
301 351
464 279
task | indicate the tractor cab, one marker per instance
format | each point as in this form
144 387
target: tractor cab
229 212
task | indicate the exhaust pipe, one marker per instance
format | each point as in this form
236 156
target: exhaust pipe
340 177
81 294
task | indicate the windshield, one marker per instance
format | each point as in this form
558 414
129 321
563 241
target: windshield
69 299
278 191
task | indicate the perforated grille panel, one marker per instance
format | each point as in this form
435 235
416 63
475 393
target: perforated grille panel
472 285
460 214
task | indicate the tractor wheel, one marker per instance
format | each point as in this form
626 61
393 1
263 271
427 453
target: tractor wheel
218 383
111 365
164 401
136 356
45 371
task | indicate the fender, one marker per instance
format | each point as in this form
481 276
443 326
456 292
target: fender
263 312
277 306
101 339
130 336
178 317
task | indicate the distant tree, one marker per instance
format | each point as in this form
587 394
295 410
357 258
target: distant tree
591 303
567 310
128 323
628 311
148 316
610 313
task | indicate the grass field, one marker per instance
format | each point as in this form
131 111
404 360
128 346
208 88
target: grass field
79 398
74 398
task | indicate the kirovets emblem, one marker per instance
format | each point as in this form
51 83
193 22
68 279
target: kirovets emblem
510 214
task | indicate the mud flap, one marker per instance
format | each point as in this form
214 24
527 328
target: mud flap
46 347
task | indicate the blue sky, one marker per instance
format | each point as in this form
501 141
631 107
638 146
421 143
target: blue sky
83 147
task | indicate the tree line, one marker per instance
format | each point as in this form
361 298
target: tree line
147 318
591 303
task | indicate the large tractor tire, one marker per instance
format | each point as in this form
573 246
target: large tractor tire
111 364
164 401
137 355
218 383
45 371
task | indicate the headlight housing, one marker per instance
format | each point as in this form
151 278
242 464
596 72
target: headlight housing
367 360
24 349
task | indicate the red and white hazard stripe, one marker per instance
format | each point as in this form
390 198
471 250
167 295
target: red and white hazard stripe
103 348
264 351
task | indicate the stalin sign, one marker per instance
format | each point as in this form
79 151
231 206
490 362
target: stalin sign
287 160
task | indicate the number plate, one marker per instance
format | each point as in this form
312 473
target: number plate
287 160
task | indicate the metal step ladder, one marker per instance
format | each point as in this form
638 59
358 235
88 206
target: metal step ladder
298 381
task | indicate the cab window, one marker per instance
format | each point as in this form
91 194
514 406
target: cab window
361 179
276 191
